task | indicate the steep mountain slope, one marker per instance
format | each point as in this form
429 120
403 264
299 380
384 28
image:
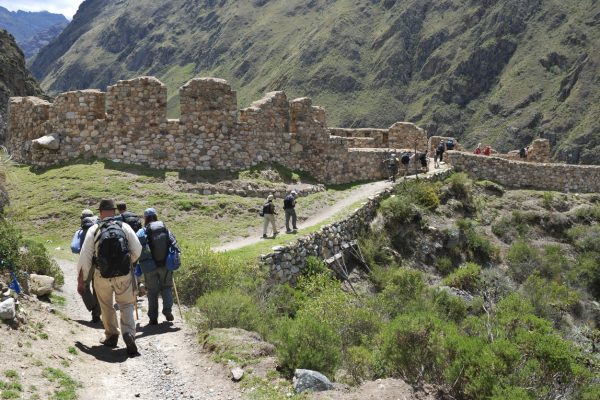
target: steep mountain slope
500 71
15 79
32 30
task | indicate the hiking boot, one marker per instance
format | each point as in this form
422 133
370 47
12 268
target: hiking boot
288 231
110 341
264 236
96 319
169 316
130 344
153 321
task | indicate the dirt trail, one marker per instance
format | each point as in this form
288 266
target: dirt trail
171 364
361 192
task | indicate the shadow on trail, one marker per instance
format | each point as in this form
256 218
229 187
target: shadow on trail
151 330
89 324
104 353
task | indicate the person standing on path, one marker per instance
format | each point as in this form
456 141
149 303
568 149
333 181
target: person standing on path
109 249
289 206
156 240
268 214
439 154
89 295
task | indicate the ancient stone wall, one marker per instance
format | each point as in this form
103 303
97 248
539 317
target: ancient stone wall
286 262
128 124
521 174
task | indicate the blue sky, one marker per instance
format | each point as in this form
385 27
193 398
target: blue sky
66 7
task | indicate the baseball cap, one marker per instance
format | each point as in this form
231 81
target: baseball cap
149 212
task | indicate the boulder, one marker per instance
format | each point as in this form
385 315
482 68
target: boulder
306 380
49 142
41 285
237 374
7 309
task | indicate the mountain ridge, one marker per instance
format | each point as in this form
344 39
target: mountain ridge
500 72
32 30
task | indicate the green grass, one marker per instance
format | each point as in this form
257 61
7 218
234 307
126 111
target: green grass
58 300
12 388
67 385
46 203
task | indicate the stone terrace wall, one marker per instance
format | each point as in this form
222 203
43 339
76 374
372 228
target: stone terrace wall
520 174
128 124
286 262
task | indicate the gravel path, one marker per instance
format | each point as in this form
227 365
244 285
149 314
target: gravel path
171 364
361 192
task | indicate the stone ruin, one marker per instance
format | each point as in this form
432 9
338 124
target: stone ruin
128 124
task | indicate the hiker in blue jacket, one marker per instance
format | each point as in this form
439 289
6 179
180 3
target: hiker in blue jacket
89 295
156 241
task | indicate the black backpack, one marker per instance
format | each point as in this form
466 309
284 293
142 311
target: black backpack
450 144
405 158
440 148
522 152
86 224
392 162
112 257
288 202
266 209
158 241
132 220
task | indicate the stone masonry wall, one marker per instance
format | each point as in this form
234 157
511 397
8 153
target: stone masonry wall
286 262
521 174
128 124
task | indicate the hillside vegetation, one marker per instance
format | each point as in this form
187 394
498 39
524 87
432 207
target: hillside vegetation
483 292
499 71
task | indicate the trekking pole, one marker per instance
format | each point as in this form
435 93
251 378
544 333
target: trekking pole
177 297
133 287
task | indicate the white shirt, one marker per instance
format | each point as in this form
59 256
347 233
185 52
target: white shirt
90 248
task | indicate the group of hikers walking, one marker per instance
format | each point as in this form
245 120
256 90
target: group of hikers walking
394 160
114 250
268 213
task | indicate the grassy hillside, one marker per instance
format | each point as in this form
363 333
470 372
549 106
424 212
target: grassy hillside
46 204
500 71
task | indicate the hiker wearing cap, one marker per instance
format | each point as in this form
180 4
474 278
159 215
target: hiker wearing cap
109 249
289 207
268 213
156 240
89 295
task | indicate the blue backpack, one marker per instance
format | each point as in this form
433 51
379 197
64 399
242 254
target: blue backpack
173 258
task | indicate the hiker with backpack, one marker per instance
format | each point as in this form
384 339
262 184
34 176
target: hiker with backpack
289 207
439 154
268 213
108 252
157 241
392 166
132 219
89 295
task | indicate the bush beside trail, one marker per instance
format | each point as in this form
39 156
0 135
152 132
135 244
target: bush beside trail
503 330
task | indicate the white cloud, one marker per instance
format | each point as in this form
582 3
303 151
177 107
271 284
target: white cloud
66 7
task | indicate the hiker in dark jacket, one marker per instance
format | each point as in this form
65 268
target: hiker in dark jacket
156 241
128 217
289 206
269 216
89 295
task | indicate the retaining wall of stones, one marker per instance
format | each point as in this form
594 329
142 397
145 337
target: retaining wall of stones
528 175
128 124
286 262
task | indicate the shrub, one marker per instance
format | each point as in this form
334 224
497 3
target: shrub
465 278
586 273
586 238
35 260
481 248
444 265
403 286
425 194
314 266
413 347
450 307
373 248
548 298
359 364
397 210
547 200
460 185
204 271
522 260
229 309
305 342
553 262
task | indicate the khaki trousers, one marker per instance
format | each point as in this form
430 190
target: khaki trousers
269 219
117 290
